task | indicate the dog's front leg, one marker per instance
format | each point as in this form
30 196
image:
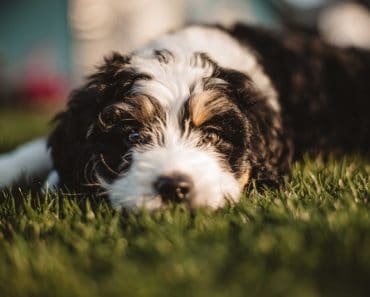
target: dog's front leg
27 162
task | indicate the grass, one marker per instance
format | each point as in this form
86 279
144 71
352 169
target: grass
311 238
17 126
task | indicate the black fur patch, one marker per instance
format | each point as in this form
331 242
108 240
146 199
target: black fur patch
324 91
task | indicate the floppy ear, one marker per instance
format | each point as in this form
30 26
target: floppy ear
268 146
70 149
271 147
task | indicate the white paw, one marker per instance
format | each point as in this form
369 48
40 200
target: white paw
9 170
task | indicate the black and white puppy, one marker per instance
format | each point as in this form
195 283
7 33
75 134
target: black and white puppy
197 114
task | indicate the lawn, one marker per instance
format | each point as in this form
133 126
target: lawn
310 238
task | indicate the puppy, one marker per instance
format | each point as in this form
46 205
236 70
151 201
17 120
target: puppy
197 114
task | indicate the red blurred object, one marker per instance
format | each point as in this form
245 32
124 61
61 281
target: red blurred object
40 82
42 88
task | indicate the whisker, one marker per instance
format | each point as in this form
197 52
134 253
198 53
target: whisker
103 193
91 184
124 163
107 166
86 177
93 173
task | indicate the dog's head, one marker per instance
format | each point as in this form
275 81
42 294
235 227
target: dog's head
159 126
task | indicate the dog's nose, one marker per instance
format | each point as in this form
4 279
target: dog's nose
174 187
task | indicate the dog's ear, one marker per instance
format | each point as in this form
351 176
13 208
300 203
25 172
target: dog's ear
268 147
70 149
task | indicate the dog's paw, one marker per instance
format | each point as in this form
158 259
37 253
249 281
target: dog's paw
29 160
9 170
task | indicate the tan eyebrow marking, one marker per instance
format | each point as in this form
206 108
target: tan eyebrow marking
206 105
140 107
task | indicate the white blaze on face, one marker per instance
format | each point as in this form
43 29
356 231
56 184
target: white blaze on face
170 83
213 184
220 47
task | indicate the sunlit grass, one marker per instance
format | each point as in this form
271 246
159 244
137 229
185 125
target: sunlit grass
17 126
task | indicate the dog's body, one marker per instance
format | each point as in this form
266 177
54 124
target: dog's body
198 113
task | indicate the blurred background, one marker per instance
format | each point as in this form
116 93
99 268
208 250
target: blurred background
47 47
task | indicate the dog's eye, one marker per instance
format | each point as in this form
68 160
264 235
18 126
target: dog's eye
134 137
212 136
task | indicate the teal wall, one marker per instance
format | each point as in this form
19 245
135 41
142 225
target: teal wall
27 24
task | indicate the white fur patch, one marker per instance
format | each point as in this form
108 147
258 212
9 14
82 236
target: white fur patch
52 182
218 45
27 161
170 83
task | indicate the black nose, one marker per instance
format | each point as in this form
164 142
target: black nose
175 187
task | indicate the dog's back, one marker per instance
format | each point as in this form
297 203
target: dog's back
324 91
